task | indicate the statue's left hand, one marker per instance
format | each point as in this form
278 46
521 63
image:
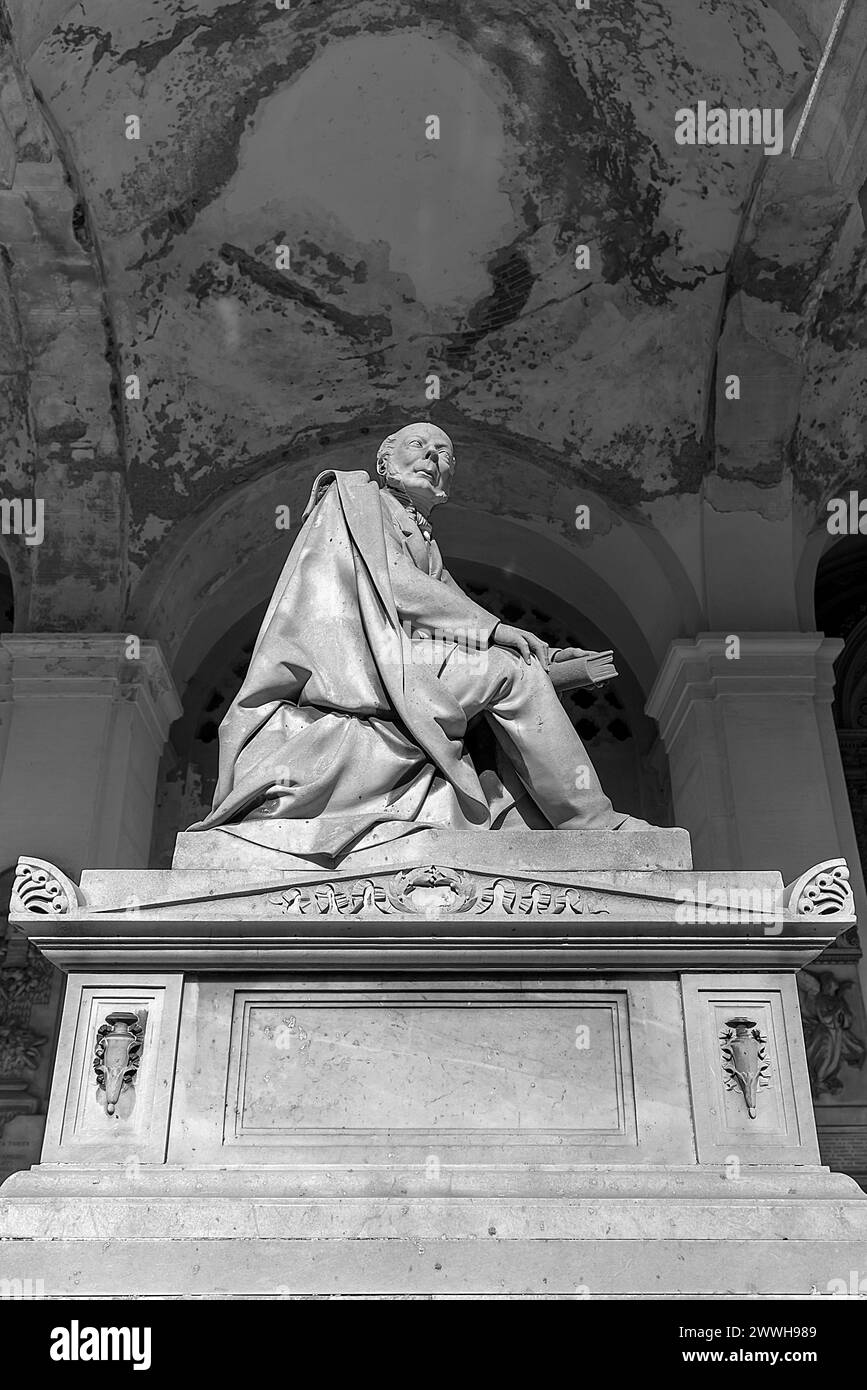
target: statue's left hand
526 644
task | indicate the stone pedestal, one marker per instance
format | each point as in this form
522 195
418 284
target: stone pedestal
448 1073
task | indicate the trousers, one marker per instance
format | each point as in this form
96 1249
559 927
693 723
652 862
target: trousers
535 733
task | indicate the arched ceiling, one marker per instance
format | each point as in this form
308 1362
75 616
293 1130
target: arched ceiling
306 127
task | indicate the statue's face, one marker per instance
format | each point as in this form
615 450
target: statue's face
422 460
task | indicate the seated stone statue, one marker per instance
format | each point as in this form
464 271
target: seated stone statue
351 722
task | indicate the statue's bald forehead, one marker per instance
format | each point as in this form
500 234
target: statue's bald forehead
422 425
418 425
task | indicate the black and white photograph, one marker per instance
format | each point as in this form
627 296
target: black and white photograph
433 666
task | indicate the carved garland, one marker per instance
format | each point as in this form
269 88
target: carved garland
432 890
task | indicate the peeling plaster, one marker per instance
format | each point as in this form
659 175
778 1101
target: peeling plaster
455 257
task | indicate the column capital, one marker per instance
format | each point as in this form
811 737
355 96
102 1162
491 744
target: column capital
768 663
54 665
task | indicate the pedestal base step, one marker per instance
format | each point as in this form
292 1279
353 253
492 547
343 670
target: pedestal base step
483 1267
221 1246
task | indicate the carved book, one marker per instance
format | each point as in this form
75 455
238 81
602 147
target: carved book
593 670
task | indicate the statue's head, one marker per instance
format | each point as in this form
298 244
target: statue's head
418 460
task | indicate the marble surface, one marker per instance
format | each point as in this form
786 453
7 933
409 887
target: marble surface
438 1067
397 1097
261 846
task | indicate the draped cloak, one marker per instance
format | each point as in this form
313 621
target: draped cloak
339 728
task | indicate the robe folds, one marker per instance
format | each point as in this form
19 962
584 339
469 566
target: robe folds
339 728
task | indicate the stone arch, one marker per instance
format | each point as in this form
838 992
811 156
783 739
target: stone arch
821 551
514 507
841 610
63 436
569 360
815 547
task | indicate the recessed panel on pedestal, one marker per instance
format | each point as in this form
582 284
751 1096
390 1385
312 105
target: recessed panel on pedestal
355 1070
114 1071
343 1065
748 1072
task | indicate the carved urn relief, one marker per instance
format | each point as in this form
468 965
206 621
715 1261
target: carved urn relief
117 1056
745 1063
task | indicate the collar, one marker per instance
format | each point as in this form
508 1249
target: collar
415 515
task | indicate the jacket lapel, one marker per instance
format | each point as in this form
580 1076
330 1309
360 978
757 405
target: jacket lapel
412 536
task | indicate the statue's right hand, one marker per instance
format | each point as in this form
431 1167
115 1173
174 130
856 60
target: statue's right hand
526 644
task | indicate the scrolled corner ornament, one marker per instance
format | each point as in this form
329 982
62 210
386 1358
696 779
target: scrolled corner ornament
42 890
117 1056
823 891
745 1060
